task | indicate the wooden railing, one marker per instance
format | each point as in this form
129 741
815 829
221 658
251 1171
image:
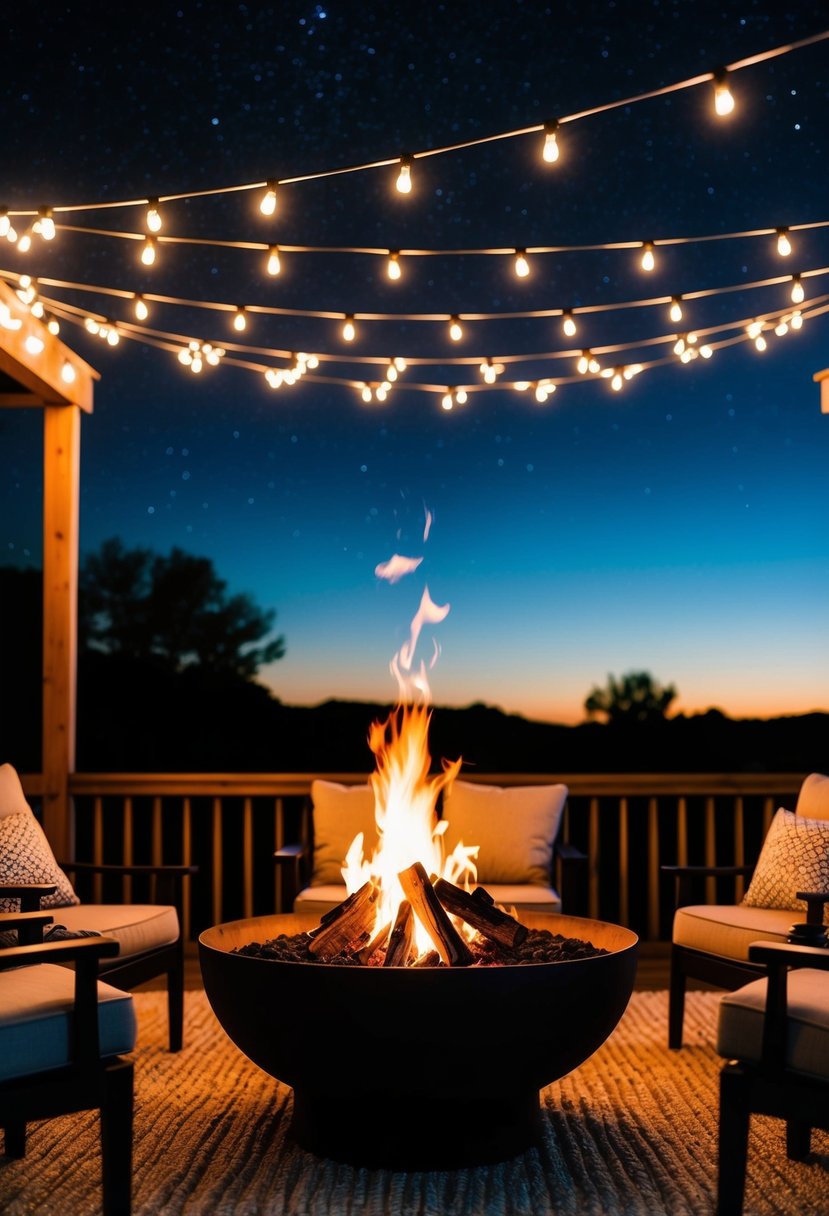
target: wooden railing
628 824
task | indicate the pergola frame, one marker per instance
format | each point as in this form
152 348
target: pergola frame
34 375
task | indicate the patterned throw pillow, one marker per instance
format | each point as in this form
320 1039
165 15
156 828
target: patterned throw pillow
795 857
25 857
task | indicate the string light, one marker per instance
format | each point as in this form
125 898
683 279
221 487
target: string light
455 329
366 394
706 351
568 324
760 342
617 380
400 363
267 204
550 152
274 265
5 222
34 345
522 266
140 308
797 294
723 99
393 268
404 177
44 225
648 259
196 354
754 328
53 326
37 310
349 331
675 312
491 371
240 320
543 390
148 251
784 245
153 216
67 373
448 400
25 242
782 327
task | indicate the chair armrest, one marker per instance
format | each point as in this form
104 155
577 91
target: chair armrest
570 877
684 877
778 957
291 861
29 925
289 853
59 952
786 954
29 894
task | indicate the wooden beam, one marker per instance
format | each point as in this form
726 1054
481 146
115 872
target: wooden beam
36 360
61 474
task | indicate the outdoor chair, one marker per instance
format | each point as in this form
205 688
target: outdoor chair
148 934
63 1036
521 861
710 942
774 1033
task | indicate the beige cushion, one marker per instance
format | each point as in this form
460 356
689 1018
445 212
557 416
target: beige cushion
35 1019
741 1016
729 929
813 800
316 901
794 857
25 857
136 927
514 826
12 799
340 812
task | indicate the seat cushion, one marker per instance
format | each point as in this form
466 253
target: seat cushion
514 826
741 1017
316 901
729 929
136 927
35 1019
340 812
813 799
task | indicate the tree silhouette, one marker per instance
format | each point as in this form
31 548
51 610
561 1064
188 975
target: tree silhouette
172 611
635 697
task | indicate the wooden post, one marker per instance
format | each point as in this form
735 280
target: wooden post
61 471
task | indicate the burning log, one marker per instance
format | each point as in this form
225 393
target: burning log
428 908
376 942
432 959
350 920
480 912
400 942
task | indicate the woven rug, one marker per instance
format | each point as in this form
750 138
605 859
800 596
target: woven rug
633 1131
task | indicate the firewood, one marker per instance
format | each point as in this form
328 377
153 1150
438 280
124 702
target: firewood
432 959
351 920
429 910
400 942
481 914
374 945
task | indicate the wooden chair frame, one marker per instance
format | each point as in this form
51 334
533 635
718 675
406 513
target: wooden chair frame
769 1087
88 1082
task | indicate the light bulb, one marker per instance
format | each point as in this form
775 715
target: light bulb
267 204
784 245
797 321
455 330
5 222
37 310
679 346
196 365
312 361
25 242
706 351
488 371
67 373
393 267
461 396
366 394
781 328
617 381
755 328
382 391
568 324
240 321
551 150
34 345
723 100
540 393
760 342
153 215
141 309
522 266
11 235
583 364
46 225
274 264
675 312
404 177
349 332
53 326
113 337
448 401
648 259
594 366
399 363
798 294
148 251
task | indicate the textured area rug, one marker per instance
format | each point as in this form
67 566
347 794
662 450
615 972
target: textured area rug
633 1131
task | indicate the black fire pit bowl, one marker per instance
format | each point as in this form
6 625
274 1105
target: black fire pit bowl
417 1068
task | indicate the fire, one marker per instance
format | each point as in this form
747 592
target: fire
405 795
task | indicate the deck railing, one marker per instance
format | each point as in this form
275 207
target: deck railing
628 824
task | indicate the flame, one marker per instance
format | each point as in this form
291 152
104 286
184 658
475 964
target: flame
396 567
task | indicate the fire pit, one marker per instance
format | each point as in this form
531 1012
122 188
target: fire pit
417 1067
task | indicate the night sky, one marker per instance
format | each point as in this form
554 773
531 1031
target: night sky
678 526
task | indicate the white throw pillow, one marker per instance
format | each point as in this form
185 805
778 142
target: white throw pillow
515 827
25 857
340 812
794 857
